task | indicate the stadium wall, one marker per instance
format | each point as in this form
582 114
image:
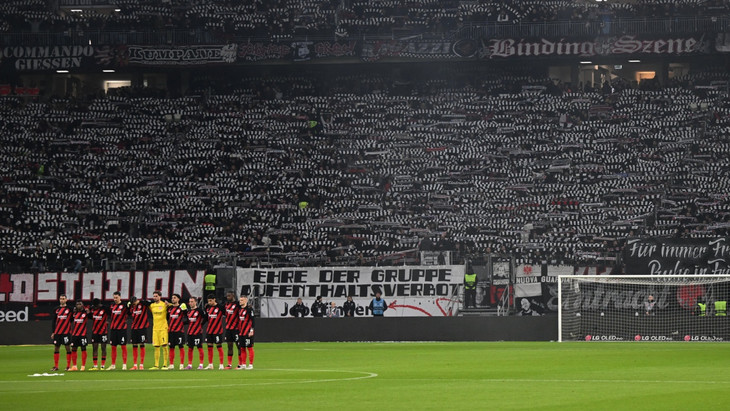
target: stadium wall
544 328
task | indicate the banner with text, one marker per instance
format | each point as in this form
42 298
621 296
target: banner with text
668 256
39 58
188 55
410 49
47 287
600 46
60 57
296 51
527 281
411 291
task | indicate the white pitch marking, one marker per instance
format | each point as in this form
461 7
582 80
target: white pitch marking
365 375
547 380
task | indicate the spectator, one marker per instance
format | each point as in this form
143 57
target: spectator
333 311
649 305
348 308
378 306
319 309
299 309
470 288
578 193
526 308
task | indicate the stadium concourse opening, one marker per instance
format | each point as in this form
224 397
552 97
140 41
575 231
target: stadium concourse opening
580 74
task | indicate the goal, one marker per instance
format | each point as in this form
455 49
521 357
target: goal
643 308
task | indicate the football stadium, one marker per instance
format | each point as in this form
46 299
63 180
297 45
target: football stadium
425 204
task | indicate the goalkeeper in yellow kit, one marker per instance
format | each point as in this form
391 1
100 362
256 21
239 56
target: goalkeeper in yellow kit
159 330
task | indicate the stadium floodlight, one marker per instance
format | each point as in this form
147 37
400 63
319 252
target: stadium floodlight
643 308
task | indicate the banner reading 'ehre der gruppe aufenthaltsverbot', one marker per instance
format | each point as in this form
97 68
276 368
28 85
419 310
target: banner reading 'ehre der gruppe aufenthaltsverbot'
408 290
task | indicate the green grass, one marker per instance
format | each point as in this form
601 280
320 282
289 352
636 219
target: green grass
394 376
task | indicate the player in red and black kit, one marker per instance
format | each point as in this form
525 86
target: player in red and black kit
62 318
140 313
176 316
99 332
231 308
118 333
245 333
214 330
79 335
196 318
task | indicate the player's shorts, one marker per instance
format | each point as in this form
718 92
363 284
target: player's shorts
61 339
99 338
79 341
214 339
139 336
195 340
245 341
232 336
159 338
118 337
176 339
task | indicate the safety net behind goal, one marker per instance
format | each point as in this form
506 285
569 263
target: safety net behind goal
643 308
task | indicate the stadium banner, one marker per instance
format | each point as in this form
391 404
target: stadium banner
259 51
685 256
549 282
500 281
57 57
601 46
323 49
24 313
408 49
615 297
295 51
7 90
409 291
39 58
528 281
181 55
47 286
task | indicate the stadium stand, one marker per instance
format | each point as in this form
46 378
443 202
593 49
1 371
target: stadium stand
219 21
362 169
359 169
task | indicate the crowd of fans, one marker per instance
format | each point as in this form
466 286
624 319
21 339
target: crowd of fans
368 168
285 18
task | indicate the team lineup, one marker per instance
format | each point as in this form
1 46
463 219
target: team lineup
174 325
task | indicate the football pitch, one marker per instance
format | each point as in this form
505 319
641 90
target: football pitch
392 376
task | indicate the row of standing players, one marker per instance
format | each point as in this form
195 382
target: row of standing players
172 324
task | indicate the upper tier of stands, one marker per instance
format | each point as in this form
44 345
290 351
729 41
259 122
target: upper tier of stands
228 20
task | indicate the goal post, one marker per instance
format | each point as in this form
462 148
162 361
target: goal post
643 308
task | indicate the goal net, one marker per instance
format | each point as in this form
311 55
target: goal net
643 308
